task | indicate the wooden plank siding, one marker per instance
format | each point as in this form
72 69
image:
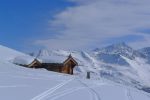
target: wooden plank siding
66 67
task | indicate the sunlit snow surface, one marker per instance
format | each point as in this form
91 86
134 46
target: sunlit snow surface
19 83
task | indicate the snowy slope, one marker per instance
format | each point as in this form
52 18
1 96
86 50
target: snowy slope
18 83
7 54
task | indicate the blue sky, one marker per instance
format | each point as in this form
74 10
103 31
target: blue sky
28 25
22 21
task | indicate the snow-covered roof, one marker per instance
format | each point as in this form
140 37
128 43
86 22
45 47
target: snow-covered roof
24 60
54 59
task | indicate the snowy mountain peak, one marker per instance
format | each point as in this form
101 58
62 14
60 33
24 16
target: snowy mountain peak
43 52
115 48
121 45
145 51
121 49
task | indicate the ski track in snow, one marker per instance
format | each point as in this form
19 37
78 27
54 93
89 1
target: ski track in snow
51 90
129 95
67 91
48 94
92 91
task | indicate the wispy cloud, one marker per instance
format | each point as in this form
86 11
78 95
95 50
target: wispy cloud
93 22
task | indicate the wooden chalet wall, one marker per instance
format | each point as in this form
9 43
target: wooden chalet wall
52 66
35 64
65 67
68 67
62 68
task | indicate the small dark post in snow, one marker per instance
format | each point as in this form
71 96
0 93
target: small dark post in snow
88 75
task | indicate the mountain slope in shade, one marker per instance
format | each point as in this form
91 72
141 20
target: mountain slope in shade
146 52
112 59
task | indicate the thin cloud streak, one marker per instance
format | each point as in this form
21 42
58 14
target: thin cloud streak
86 24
